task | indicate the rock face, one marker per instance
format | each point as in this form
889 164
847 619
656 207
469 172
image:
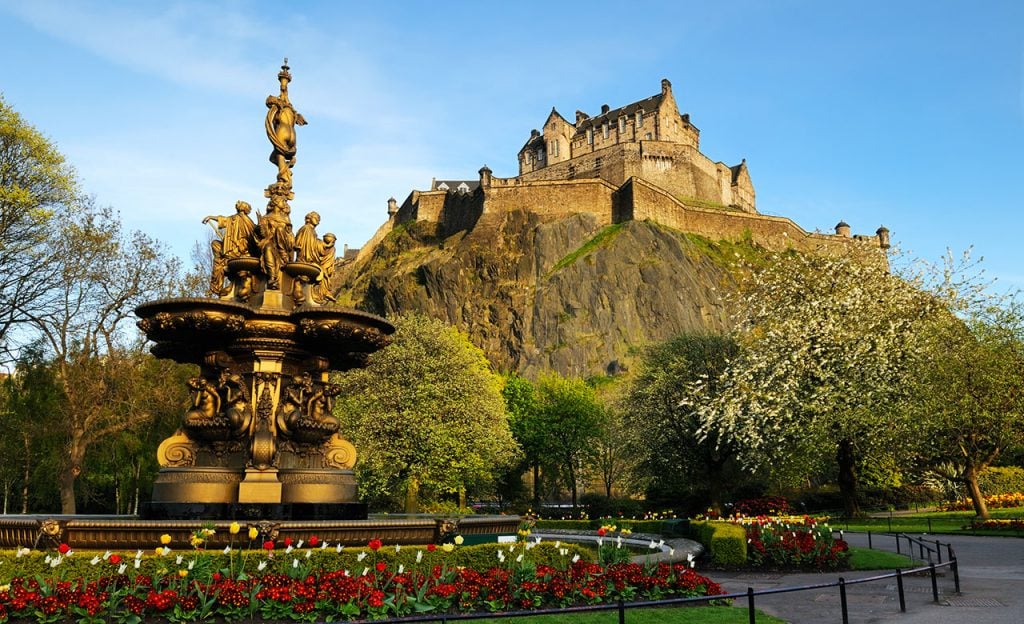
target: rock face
538 294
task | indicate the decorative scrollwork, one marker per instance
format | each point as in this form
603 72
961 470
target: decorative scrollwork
176 451
339 453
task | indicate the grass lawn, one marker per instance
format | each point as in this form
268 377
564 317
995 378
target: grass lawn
676 615
931 522
867 559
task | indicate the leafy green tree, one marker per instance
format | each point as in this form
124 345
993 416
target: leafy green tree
426 414
570 416
37 190
970 393
827 346
89 331
31 397
672 381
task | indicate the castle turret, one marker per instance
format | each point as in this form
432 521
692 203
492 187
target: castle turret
883 237
843 229
666 86
392 207
485 176
580 116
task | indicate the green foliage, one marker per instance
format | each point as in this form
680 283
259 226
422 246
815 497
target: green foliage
726 542
672 379
602 238
426 411
38 189
1002 480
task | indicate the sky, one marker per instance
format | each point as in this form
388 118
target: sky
904 114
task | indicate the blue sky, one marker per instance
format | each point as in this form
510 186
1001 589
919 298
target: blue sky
907 114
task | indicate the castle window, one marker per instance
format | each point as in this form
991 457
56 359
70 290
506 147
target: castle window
604 129
597 164
640 119
648 136
572 172
540 155
622 125
590 136
553 148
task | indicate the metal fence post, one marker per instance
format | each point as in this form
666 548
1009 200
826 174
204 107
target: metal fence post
870 546
899 590
898 551
842 600
938 550
954 565
622 612
750 605
935 583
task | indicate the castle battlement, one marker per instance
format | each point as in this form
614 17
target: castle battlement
637 162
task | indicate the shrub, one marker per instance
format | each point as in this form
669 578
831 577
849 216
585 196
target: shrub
726 542
1002 480
764 506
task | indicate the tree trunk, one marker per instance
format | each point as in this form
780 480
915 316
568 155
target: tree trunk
26 475
462 496
846 458
412 496
971 476
536 487
67 489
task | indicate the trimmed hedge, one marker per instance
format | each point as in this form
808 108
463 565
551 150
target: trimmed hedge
726 542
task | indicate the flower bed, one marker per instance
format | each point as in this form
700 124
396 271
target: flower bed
792 542
996 501
293 583
997 525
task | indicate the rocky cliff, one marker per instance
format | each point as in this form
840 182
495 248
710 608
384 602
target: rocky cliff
538 294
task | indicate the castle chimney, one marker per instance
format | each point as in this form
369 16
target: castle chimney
485 176
534 133
580 116
843 229
883 237
605 108
666 86
392 207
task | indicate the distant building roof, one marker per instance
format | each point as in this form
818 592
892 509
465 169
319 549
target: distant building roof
456 186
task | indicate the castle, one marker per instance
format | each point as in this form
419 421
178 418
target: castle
640 161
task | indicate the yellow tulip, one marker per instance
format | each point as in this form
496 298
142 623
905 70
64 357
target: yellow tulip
458 540
253 533
182 573
165 539
234 528
448 547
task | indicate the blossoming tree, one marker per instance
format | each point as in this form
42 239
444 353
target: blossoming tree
827 345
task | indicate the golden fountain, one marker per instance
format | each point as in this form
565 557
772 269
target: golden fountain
259 442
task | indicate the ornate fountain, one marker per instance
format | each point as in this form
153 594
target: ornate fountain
259 438
259 442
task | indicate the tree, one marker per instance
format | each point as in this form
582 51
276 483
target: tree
426 414
969 391
103 276
569 416
614 463
31 397
38 189
827 345
673 379
521 406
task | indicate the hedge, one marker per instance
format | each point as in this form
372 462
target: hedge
726 542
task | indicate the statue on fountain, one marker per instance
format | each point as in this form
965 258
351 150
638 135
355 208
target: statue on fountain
260 429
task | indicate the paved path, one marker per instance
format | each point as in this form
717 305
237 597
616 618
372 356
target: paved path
991 583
